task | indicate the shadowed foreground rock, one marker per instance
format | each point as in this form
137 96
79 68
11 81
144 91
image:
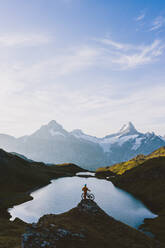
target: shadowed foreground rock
85 226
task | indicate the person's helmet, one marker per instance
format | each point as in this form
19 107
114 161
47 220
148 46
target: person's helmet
85 185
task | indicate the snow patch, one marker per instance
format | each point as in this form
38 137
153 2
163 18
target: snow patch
54 133
81 135
119 140
126 138
106 142
137 144
128 128
85 174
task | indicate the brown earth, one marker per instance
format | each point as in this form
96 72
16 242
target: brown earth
18 178
85 226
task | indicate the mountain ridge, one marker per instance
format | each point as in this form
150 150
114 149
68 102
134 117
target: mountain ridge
51 143
121 168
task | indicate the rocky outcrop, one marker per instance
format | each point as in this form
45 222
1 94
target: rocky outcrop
85 226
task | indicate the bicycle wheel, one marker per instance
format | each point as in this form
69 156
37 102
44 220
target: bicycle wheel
82 196
91 197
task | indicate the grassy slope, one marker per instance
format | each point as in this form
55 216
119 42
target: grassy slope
10 233
17 178
120 168
147 182
19 175
100 230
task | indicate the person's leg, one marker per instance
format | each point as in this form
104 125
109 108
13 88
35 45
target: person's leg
85 195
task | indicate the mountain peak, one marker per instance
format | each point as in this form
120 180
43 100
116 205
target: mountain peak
128 129
53 124
51 129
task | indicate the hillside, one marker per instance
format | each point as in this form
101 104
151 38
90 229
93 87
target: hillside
120 168
18 178
19 175
147 182
82 227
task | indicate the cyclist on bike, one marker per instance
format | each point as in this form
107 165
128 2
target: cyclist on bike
85 189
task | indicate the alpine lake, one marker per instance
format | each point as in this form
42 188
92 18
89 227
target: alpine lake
65 193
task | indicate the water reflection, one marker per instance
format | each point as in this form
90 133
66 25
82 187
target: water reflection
65 193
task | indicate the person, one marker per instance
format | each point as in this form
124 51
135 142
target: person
85 189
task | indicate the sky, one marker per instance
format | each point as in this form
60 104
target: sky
88 64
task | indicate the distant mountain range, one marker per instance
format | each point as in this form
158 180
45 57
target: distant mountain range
53 144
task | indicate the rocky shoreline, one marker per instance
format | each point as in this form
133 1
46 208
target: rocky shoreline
84 226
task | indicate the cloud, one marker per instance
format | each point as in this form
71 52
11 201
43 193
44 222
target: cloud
103 54
96 110
117 45
129 56
34 94
158 23
10 40
58 66
140 17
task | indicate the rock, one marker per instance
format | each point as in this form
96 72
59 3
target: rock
62 232
88 206
85 226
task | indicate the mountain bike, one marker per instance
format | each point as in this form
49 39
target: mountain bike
88 196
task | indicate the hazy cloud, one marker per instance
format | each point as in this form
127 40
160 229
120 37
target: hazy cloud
140 17
41 89
129 56
10 40
82 108
102 54
158 23
116 45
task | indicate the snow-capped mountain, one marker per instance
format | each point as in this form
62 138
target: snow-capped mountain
51 130
53 144
126 133
125 144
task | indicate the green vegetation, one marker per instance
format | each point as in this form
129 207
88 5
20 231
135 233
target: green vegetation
68 168
91 227
10 233
144 177
121 168
147 182
18 178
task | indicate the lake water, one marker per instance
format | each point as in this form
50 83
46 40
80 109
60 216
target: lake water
65 193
